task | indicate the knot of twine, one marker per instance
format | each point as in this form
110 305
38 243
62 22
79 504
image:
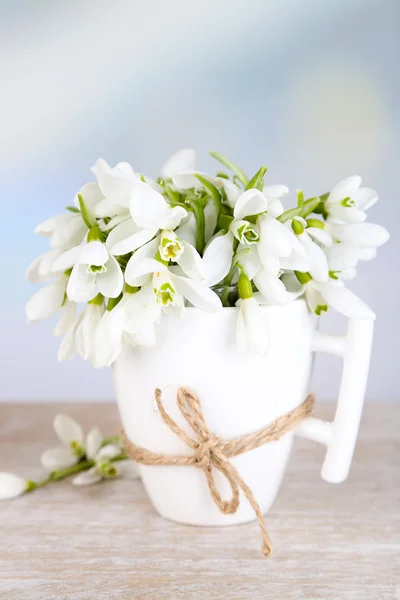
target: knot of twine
209 451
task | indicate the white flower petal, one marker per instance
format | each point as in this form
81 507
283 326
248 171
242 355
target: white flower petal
211 218
172 217
320 235
135 241
88 477
94 440
316 257
121 232
93 253
109 451
138 269
180 161
108 336
365 198
110 282
187 230
67 259
254 325
232 191
344 189
11 486
41 268
147 206
217 258
344 301
58 458
275 191
346 214
91 196
81 285
48 227
190 262
275 237
68 349
68 430
272 289
251 202
46 302
365 235
85 333
198 294
108 208
67 318
69 235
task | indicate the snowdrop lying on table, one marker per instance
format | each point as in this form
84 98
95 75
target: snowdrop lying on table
135 251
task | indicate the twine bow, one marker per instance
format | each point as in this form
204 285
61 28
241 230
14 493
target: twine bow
209 451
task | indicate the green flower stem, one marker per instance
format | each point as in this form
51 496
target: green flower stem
232 167
200 224
212 190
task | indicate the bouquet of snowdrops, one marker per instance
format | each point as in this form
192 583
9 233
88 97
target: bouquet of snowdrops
135 251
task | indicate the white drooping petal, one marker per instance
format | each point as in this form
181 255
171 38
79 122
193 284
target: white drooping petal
85 333
46 302
191 263
364 235
11 486
68 349
252 328
172 217
320 236
108 337
137 271
91 195
93 253
111 281
275 237
88 477
232 191
147 206
67 318
211 219
318 264
365 198
217 258
108 208
342 256
251 202
180 161
121 232
68 430
141 311
58 458
198 294
250 260
347 214
109 451
67 259
272 289
94 440
70 234
292 285
344 189
81 285
41 268
135 241
344 301
187 229
48 227
275 191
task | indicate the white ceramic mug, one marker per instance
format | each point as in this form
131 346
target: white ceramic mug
239 394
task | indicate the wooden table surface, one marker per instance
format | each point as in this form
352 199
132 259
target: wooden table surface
105 542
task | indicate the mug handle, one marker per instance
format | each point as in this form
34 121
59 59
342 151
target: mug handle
340 435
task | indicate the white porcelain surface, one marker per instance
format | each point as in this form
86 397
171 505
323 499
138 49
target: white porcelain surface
239 394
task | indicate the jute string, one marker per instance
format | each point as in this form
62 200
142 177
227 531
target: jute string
210 451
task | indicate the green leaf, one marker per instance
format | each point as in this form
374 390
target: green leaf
300 198
289 214
86 214
213 191
200 223
232 167
257 181
309 206
72 209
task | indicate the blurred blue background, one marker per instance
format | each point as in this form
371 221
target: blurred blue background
309 88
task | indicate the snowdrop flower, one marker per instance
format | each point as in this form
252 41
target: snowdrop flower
274 195
12 486
252 325
67 317
180 168
47 301
358 235
315 256
94 270
320 296
70 433
41 269
106 468
116 184
150 213
347 201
